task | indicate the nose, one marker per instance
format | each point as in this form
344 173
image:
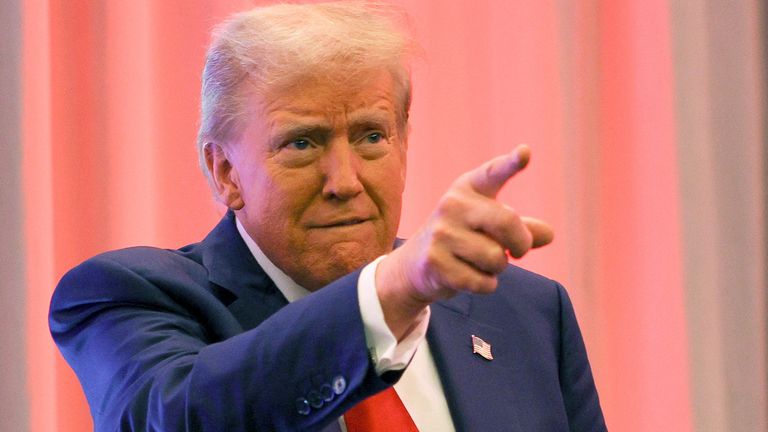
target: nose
341 170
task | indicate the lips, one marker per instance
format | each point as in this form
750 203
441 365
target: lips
349 222
340 222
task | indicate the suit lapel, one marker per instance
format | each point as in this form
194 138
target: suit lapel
472 383
251 295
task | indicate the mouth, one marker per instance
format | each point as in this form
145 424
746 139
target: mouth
341 223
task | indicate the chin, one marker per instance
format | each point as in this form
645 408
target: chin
337 261
344 260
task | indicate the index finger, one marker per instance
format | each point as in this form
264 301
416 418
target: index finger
490 177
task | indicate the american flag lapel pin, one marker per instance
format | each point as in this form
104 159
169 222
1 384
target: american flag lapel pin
481 348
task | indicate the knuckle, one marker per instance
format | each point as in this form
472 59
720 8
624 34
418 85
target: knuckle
463 282
521 246
476 282
514 233
484 284
432 261
451 203
490 258
491 284
441 233
510 217
499 259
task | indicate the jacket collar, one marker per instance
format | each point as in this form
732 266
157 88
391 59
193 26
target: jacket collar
253 296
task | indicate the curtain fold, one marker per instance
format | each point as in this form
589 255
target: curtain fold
720 104
13 396
647 124
640 294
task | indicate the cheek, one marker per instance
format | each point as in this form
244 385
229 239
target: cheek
394 206
276 213
283 198
274 200
388 191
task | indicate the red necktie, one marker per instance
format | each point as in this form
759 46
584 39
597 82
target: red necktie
382 412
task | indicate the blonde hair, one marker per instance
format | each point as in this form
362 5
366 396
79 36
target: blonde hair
269 47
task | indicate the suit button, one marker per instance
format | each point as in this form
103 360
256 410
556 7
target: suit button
302 406
339 384
327 392
315 399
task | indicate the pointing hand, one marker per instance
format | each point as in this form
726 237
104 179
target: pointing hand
463 245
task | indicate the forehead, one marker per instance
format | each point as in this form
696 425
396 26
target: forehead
328 96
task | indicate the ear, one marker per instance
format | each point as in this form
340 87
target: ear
224 179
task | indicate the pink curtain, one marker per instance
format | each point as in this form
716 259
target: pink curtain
600 89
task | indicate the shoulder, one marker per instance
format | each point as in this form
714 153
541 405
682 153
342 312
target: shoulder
146 263
523 300
146 259
137 275
530 290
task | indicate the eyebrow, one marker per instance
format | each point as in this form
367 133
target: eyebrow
373 115
369 118
298 128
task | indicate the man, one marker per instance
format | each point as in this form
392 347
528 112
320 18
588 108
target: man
297 309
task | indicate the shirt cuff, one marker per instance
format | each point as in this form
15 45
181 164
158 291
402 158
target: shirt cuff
387 354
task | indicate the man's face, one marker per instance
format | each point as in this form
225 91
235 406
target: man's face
321 169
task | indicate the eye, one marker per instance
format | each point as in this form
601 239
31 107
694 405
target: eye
374 138
299 144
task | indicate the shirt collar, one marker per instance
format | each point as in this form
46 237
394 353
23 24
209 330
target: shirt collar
290 289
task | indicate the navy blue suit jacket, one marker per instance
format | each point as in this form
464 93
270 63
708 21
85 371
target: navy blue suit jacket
201 339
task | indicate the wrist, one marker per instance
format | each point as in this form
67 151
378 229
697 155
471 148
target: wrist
401 304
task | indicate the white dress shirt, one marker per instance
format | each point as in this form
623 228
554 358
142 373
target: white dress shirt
419 387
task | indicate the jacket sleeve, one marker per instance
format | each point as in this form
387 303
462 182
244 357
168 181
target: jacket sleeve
577 384
156 354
